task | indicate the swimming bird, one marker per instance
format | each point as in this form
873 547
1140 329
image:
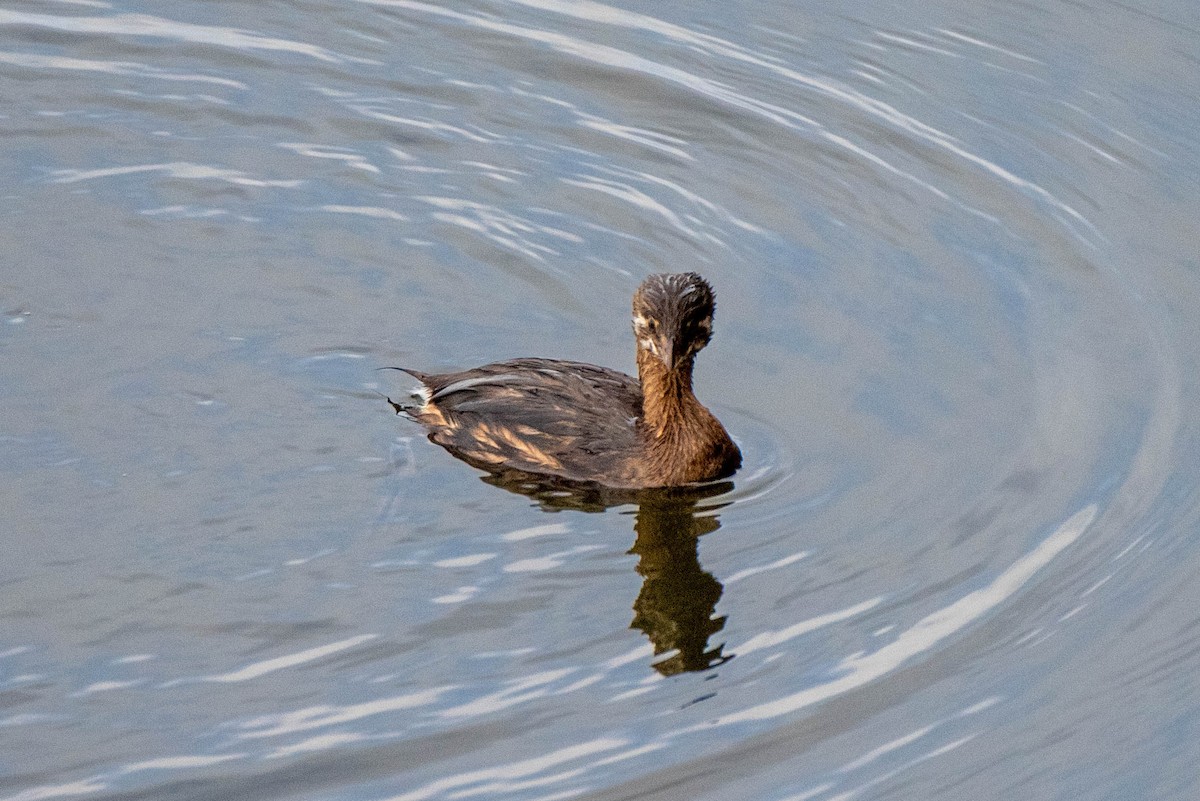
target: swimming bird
583 423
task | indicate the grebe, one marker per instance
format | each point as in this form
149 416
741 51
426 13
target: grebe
583 423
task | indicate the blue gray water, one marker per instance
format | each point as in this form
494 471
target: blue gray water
955 255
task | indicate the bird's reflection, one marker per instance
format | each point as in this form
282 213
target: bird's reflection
678 599
677 603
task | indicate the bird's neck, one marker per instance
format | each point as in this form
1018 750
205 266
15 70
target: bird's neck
668 402
683 441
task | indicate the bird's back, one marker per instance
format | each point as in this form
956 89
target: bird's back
566 419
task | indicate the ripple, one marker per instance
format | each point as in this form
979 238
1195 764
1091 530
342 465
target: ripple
182 170
926 633
501 227
520 775
324 716
37 61
1079 225
145 25
353 160
258 669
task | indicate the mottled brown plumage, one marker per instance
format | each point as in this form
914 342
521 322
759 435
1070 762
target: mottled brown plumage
585 423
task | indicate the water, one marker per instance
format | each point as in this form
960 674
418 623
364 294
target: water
954 256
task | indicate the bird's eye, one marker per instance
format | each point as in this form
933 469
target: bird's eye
652 326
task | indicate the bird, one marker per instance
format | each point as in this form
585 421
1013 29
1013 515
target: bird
579 423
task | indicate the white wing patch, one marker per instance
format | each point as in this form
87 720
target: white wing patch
467 383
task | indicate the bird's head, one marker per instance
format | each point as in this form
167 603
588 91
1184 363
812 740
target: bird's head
672 317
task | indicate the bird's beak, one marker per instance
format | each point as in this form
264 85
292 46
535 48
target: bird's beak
666 351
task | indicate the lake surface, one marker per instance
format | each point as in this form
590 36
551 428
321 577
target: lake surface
955 250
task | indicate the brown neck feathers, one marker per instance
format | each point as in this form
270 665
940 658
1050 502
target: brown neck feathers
667 398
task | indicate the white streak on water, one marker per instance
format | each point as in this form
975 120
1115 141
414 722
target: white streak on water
354 160
174 169
916 45
133 659
47 62
365 211
650 139
320 743
641 652
536 531
180 762
434 126
962 37
516 770
257 669
769 639
67 790
636 691
751 571
887 775
95 784
317 717
461 595
27 719
634 197
547 562
158 27
105 686
519 691
470 560
887 748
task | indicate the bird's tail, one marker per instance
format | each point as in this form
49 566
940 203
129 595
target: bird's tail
420 395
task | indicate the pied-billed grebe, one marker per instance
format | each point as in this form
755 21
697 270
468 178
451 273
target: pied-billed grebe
585 423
